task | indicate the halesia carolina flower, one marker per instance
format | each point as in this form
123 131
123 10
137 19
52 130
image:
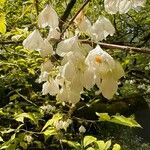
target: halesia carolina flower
82 22
50 87
34 41
98 31
122 6
107 71
137 3
101 29
67 95
43 77
77 72
48 17
67 45
47 49
46 66
53 34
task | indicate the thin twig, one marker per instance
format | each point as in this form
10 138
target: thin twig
66 13
25 98
73 18
103 45
121 47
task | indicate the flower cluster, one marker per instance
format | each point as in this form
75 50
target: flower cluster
81 66
122 6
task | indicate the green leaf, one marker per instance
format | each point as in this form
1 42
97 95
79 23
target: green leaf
49 132
76 145
30 116
103 116
127 121
14 97
90 148
1 139
2 23
50 122
102 145
24 145
116 147
2 2
107 144
88 140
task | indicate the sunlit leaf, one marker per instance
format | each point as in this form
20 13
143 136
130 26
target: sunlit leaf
119 119
49 132
30 116
88 140
1 139
2 23
76 145
50 122
2 2
116 147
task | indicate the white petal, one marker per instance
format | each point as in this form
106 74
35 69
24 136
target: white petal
83 23
99 59
117 71
67 45
48 17
43 77
50 87
47 49
53 34
137 3
46 66
124 6
34 41
101 29
109 87
68 71
88 80
73 97
111 6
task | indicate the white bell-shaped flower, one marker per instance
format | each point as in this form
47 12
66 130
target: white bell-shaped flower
107 71
98 31
114 6
47 49
99 60
46 66
34 41
101 29
48 17
137 3
77 72
121 6
67 45
43 77
53 34
50 87
83 23
68 95
109 84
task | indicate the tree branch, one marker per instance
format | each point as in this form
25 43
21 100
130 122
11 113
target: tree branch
103 45
66 13
73 18
121 47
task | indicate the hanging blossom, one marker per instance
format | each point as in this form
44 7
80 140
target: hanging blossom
122 6
48 17
98 31
107 71
67 45
82 66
